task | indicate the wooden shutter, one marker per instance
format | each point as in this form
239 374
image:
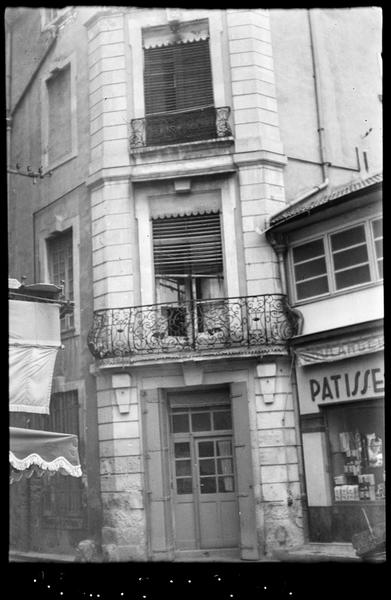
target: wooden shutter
177 77
242 443
158 488
188 245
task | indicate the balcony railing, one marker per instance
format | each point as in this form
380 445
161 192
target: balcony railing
246 322
180 127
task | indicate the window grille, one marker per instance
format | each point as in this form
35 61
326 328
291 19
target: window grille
60 256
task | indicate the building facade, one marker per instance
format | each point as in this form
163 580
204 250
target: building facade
334 265
168 139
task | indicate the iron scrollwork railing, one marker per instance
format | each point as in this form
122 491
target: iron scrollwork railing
244 322
179 127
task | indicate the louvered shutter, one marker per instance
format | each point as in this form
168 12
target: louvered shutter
177 77
188 245
242 442
158 488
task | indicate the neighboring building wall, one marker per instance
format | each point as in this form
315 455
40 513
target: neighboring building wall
37 211
347 45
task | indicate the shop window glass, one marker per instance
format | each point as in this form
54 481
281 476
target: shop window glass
356 438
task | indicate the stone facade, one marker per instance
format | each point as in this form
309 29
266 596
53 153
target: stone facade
118 188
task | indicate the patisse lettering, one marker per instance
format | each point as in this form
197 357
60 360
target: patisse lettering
348 385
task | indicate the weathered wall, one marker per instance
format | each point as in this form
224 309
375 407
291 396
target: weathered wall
36 211
348 46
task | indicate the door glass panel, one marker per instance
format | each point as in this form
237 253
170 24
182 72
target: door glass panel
226 484
207 466
184 485
200 421
208 485
224 466
205 449
182 449
183 467
224 448
222 420
180 423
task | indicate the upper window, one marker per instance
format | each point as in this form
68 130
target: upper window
60 117
177 77
60 257
178 88
377 232
339 260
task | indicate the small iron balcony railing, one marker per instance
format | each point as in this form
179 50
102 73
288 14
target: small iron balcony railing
180 127
245 322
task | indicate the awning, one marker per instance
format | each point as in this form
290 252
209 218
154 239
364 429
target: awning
34 451
339 350
34 339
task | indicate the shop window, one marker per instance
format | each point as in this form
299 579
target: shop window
338 260
59 114
60 261
356 441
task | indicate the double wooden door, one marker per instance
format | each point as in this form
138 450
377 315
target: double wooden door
204 481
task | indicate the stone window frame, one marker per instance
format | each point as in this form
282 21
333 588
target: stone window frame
228 210
52 70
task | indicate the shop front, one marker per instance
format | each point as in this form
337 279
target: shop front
341 400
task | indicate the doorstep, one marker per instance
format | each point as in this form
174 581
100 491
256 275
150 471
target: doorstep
17 556
316 552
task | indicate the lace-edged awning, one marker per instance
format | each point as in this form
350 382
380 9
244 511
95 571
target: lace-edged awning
35 451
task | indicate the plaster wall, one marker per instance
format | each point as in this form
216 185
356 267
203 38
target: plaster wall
348 45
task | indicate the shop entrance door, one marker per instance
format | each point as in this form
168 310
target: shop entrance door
206 514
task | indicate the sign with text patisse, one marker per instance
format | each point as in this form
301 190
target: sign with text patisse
345 380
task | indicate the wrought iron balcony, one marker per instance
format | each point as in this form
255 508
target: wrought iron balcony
249 322
180 127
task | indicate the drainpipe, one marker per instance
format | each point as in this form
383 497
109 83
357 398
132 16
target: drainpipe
318 98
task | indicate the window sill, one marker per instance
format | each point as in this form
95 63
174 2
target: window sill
182 145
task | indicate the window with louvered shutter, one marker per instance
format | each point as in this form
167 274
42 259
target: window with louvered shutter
177 77
188 245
